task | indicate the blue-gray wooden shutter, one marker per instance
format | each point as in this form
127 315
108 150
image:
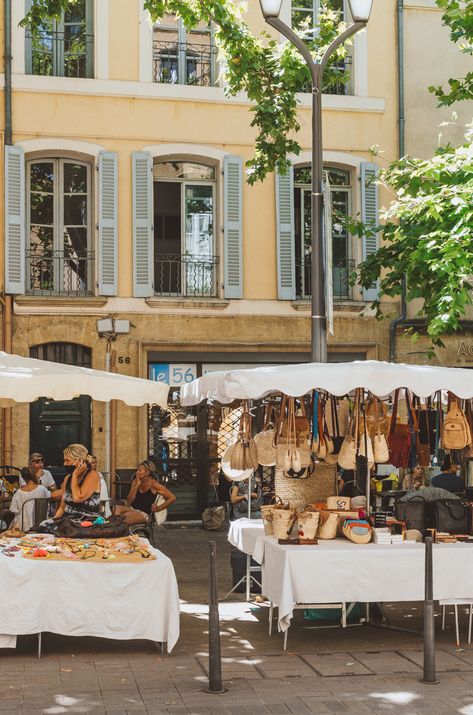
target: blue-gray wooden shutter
233 226
108 223
15 243
142 224
285 235
369 216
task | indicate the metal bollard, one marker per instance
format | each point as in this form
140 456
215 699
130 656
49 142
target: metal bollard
429 619
215 658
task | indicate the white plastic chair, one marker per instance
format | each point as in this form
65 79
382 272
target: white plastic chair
455 604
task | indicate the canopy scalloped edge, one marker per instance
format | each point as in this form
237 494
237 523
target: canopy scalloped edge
380 378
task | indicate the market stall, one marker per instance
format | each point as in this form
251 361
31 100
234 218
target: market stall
397 416
110 588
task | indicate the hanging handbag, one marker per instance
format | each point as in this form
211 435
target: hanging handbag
361 460
347 454
264 440
293 454
336 438
244 454
398 440
377 420
456 431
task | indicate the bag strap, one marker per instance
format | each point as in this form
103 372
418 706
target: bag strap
335 425
394 412
315 415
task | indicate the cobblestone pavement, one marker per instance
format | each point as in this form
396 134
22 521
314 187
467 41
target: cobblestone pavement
357 670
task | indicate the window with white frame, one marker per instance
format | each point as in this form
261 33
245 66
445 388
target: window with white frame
59 259
63 47
305 18
183 56
185 263
343 264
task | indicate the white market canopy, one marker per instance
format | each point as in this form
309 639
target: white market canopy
380 378
25 379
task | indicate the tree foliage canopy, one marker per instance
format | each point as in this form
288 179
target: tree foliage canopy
458 16
427 237
270 73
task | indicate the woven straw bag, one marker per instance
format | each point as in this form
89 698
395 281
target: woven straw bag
456 430
307 524
380 448
244 454
347 454
283 520
328 526
237 475
265 440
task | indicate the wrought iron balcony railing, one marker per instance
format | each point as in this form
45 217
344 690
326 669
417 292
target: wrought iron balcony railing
57 273
192 276
184 63
341 272
59 54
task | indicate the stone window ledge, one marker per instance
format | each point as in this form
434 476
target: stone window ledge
61 301
351 306
197 303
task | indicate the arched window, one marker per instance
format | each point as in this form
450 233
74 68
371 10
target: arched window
185 263
65 353
59 259
340 195
63 47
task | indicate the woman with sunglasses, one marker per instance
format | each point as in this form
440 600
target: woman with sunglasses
43 476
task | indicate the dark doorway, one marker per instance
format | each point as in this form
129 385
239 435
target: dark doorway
56 423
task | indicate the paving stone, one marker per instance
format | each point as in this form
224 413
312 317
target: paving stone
444 661
331 664
387 662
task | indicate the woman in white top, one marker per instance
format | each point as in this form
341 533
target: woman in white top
43 476
24 517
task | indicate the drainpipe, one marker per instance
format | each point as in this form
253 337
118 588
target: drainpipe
401 142
7 303
7 61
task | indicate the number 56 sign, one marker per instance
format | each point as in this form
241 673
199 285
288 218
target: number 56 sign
173 374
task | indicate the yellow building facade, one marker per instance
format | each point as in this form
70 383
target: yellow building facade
125 197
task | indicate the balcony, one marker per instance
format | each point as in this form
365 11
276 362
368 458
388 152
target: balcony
60 54
184 63
341 272
57 274
188 276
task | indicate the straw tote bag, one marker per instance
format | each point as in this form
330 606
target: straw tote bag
244 454
328 525
456 431
347 454
265 440
237 475
292 451
380 445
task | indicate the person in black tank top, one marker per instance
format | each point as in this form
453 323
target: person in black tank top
142 496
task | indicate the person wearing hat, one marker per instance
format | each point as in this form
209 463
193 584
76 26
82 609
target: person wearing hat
141 499
43 476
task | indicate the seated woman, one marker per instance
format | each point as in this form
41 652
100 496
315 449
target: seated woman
239 498
81 488
143 494
24 517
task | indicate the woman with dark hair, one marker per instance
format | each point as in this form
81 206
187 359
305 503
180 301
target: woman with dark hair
143 494
30 490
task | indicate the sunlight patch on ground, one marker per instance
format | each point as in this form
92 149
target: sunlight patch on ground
227 611
399 698
467 710
66 704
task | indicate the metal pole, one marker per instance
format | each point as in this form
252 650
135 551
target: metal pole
429 619
318 310
215 660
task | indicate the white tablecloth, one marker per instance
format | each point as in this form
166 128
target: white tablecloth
340 571
248 536
79 598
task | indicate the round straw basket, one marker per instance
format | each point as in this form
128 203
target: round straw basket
307 524
282 522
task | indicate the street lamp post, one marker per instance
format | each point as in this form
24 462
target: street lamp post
360 12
